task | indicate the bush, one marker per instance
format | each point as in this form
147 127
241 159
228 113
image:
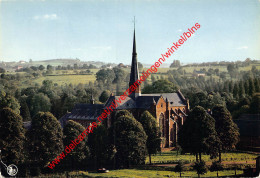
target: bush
200 167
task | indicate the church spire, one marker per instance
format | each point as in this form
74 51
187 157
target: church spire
134 75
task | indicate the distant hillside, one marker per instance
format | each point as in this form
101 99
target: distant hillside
68 61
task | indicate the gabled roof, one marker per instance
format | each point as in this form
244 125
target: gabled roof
83 112
174 99
127 103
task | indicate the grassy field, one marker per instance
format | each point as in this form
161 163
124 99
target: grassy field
139 173
171 157
67 79
163 170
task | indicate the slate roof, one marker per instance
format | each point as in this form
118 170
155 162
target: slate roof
175 99
249 125
83 112
128 103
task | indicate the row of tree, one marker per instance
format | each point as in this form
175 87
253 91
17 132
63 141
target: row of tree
127 142
208 134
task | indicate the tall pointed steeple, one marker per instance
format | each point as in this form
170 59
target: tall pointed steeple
134 75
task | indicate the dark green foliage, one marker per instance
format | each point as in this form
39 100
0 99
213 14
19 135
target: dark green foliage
161 86
236 91
24 110
71 132
198 134
241 89
152 131
41 67
257 85
6 100
12 138
175 63
227 130
100 148
45 138
130 141
105 75
200 167
251 89
40 103
2 70
119 75
104 96
179 167
122 113
216 166
255 104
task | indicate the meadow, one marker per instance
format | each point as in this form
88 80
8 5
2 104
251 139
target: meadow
172 157
160 169
138 173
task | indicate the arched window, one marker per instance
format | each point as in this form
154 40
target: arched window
161 124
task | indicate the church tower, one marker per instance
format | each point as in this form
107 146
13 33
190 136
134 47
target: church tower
134 75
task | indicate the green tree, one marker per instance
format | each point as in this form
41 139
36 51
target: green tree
119 75
241 89
246 86
71 131
100 148
49 67
130 141
41 67
227 130
176 63
6 100
179 167
45 138
257 85
236 91
251 87
12 138
2 70
105 75
198 134
200 167
161 86
40 102
24 110
216 166
151 129
104 96
255 104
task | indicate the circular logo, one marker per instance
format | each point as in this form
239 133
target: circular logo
12 170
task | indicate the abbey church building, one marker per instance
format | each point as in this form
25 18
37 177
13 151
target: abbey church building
169 109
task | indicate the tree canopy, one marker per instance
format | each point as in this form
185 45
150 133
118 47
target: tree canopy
198 134
151 129
161 86
226 129
45 138
130 141
12 138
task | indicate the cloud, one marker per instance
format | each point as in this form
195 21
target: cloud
242 47
180 30
46 17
